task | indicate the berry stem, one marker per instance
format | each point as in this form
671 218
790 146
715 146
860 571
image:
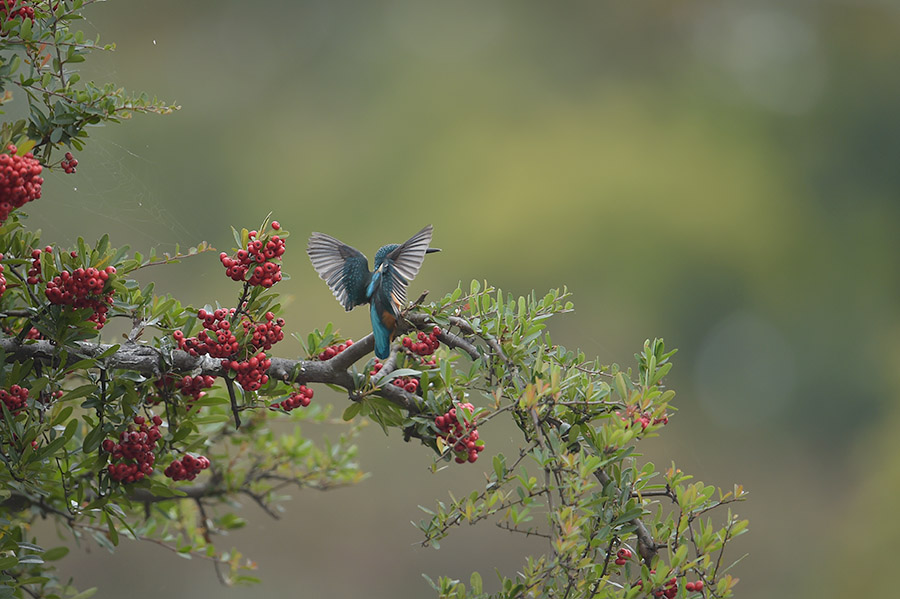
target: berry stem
241 303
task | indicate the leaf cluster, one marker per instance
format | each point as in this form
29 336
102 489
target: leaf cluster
40 57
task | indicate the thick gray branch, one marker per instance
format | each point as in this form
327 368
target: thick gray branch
152 362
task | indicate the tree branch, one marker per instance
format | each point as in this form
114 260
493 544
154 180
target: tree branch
153 362
420 320
647 547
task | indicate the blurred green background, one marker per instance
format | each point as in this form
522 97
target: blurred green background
722 174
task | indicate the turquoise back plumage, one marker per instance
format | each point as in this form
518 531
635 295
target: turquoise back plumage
384 307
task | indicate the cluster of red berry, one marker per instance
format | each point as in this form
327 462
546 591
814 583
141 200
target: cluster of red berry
410 384
250 374
424 361
14 399
633 415
192 387
16 8
694 586
20 180
2 278
333 350
69 163
669 590
83 288
259 258
622 556
407 383
301 397
187 468
422 344
34 272
265 334
216 340
133 454
462 436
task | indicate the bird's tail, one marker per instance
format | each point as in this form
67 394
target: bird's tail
382 334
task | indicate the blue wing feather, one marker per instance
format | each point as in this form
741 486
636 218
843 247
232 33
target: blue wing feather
344 268
401 263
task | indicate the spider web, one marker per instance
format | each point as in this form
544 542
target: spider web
112 192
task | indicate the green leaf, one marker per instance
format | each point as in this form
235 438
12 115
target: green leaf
182 432
161 490
92 440
24 146
79 392
70 429
54 445
231 522
621 387
8 562
62 415
476 583
352 410
212 419
499 466
397 374
111 528
30 547
679 556
51 555
628 515
25 30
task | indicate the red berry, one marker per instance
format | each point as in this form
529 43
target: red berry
19 178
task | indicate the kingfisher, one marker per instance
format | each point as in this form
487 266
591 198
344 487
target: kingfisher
346 270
